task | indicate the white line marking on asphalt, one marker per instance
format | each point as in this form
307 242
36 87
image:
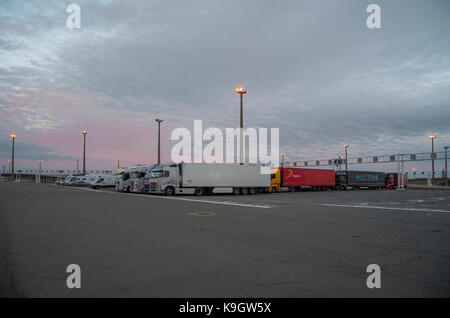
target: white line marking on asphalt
178 198
385 208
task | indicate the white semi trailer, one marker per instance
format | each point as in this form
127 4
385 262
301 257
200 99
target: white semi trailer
202 178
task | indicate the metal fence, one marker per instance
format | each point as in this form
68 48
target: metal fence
369 159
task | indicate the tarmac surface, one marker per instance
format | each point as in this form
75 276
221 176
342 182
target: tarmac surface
302 244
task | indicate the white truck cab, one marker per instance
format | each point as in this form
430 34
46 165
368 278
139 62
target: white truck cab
126 175
165 179
137 176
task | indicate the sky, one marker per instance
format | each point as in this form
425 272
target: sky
313 69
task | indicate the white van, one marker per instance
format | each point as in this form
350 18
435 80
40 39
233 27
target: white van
82 181
105 181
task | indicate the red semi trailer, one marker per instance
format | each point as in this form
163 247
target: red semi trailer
295 179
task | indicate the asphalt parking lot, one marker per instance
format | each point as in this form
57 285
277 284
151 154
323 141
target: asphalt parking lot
273 245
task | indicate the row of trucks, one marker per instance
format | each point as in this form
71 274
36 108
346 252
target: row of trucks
204 179
201 179
297 179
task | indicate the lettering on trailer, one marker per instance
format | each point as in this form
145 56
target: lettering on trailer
291 174
366 177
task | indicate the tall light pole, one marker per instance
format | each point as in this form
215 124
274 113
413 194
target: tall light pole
446 167
159 121
9 166
40 166
346 157
84 132
118 163
78 166
432 158
13 137
282 159
241 91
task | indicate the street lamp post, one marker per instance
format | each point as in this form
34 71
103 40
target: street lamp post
241 91
446 167
78 170
12 157
159 121
282 159
40 166
84 132
346 157
432 158
118 163
346 162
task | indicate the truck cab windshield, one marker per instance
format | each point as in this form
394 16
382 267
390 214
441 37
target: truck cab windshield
156 174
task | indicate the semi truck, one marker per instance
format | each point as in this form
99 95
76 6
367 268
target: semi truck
138 177
202 178
360 180
123 182
392 180
296 179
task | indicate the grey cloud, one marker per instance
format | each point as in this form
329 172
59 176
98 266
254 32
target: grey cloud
313 69
24 150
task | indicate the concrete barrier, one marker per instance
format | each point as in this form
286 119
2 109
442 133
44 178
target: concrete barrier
427 187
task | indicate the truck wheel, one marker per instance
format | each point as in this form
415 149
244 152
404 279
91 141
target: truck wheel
199 191
236 191
169 191
252 191
244 191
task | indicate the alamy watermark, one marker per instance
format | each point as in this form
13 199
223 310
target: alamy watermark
74 19
189 147
74 279
374 279
374 19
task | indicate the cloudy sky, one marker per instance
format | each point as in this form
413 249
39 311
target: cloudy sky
313 69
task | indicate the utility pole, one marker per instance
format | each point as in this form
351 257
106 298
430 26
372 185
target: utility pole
446 167
346 164
12 157
40 166
84 132
159 121
241 91
432 158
